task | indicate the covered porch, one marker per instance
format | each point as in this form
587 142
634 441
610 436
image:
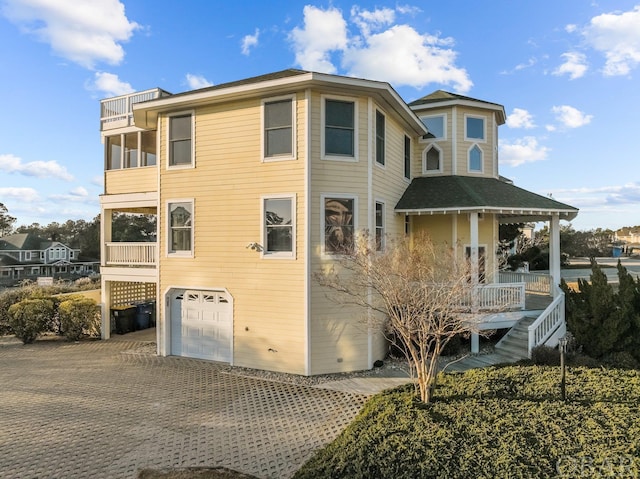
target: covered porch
475 207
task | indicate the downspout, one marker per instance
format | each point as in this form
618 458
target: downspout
370 221
554 251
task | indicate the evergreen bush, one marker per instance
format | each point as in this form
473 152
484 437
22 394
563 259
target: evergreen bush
79 317
30 317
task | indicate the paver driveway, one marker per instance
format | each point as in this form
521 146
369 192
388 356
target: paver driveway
105 409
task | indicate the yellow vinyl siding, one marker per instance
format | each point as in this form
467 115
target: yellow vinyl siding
227 186
131 180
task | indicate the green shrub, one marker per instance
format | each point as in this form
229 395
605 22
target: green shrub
494 423
621 360
79 317
545 356
30 317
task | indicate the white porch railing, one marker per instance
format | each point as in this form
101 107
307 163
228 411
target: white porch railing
500 296
120 108
534 282
130 254
541 330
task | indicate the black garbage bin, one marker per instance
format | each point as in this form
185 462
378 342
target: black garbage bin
143 315
125 317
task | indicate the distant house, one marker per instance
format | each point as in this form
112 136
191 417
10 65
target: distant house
27 256
628 239
258 183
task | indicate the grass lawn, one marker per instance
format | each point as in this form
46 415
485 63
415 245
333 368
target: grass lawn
495 423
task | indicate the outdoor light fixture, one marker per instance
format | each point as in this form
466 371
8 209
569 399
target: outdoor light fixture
562 344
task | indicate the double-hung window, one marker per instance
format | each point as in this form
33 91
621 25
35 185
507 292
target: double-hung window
339 128
180 140
180 227
278 128
278 213
380 138
407 157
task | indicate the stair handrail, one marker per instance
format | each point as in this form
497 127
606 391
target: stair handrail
548 322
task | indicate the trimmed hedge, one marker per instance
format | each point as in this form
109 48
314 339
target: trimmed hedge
79 317
30 317
494 423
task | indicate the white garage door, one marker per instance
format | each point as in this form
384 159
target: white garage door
201 325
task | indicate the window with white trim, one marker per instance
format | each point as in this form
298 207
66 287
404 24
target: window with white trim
475 159
278 216
180 140
338 224
379 226
130 150
339 128
432 160
474 128
436 124
380 138
180 218
407 157
278 128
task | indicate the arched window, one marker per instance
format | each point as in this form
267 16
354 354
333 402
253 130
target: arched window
475 159
432 160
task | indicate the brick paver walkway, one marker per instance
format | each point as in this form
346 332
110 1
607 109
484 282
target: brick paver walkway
105 409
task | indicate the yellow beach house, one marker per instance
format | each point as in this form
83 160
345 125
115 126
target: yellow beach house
257 183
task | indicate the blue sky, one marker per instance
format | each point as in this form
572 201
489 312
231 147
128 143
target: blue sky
566 72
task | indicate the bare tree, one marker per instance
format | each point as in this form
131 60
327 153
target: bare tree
416 292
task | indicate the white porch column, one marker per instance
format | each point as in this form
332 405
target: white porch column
105 236
475 279
554 249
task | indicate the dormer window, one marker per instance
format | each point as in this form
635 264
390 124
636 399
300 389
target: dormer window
474 128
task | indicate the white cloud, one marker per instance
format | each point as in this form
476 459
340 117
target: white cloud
27 195
324 31
575 65
250 41
521 151
83 32
110 85
520 118
197 81
571 28
395 53
571 117
80 192
617 36
39 169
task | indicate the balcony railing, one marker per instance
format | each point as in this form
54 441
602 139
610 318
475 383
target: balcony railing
117 112
130 254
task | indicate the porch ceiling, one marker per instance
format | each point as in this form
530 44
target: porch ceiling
466 194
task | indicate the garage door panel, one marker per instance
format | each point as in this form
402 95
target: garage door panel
206 326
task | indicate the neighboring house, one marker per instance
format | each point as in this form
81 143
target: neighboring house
628 239
27 256
259 183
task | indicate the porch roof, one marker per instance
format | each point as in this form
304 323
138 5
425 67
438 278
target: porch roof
467 194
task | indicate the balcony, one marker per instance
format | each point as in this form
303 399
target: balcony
117 112
130 254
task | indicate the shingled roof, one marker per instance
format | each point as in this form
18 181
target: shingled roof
449 194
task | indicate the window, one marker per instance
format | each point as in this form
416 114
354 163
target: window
339 128
379 226
114 152
338 224
475 159
180 151
131 150
432 160
148 148
180 227
436 126
380 138
407 157
278 233
278 128
474 128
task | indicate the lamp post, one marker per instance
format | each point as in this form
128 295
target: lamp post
562 343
